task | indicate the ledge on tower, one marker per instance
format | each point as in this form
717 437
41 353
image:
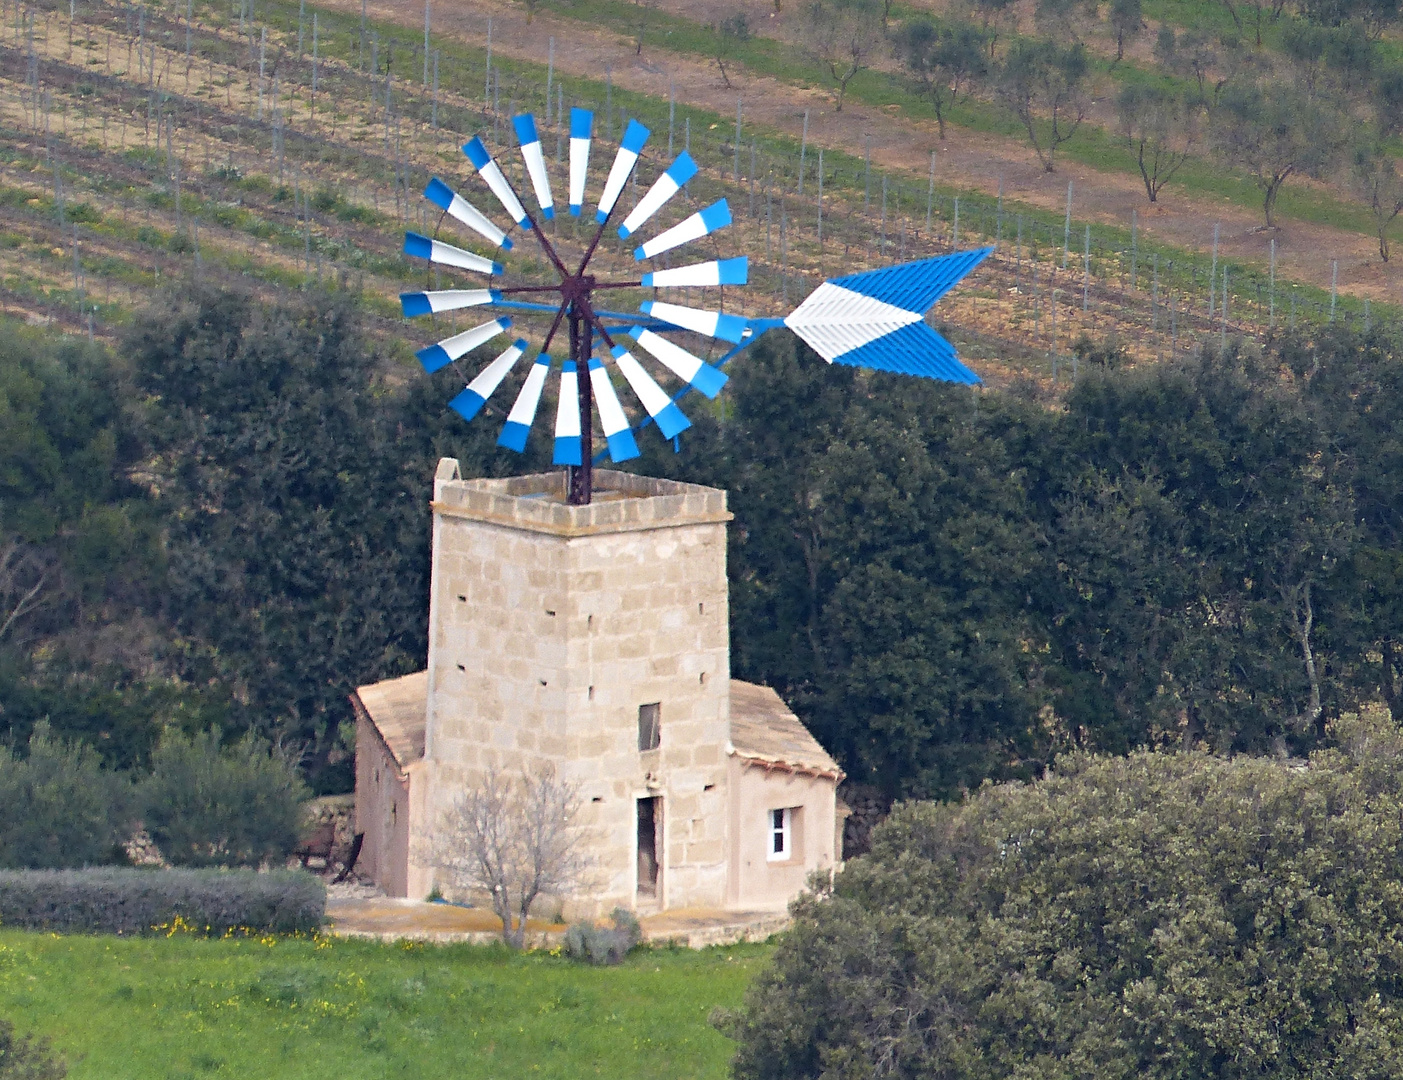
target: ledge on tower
622 502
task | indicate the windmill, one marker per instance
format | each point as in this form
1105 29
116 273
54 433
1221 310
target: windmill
873 319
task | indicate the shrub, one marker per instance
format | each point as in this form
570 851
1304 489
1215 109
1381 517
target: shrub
603 944
122 900
207 804
1161 915
24 1058
58 806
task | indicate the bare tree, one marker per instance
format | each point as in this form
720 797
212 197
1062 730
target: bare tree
1161 128
24 579
1127 20
840 35
731 33
514 838
1374 177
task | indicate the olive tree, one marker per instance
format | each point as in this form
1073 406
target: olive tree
1044 85
1156 917
943 61
1273 132
211 804
1160 128
1374 178
840 36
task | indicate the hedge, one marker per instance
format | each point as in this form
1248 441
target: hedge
118 900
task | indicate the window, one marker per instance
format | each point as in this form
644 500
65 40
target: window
650 723
781 843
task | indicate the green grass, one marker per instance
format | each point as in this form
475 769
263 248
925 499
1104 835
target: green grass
183 1007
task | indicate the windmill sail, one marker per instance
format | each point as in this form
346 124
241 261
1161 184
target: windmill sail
664 188
711 323
491 172
450 349
523 414
431 303
567 418
634 138
661 408
581 121
458 208
525 125
611 413
436 251
717 272
702 223
690 369
474 396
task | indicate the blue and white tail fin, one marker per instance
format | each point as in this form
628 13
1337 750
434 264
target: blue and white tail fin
877 319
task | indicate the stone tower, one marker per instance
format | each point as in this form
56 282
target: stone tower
593 638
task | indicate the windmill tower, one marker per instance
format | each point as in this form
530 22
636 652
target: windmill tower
579 619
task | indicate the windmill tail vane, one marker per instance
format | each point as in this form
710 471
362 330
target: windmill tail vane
873 320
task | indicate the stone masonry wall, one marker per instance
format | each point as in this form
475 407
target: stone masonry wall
552 625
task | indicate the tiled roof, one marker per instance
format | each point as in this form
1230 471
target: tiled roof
763 730
398 708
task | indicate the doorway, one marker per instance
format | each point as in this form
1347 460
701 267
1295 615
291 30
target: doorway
650 824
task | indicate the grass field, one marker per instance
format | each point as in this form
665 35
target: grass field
300 1009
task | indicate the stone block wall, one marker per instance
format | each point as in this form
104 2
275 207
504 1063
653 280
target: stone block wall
551 625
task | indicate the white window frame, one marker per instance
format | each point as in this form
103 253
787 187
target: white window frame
779 823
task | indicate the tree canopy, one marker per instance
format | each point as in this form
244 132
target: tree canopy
1162 915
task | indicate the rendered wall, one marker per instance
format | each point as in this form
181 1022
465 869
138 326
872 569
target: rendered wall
550 625
382 812
755 881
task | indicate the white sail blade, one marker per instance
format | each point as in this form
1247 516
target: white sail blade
702 223
458 208
491 172
619 172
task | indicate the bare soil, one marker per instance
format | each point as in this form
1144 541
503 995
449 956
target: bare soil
1305 251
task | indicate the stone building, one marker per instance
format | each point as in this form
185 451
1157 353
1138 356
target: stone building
595 639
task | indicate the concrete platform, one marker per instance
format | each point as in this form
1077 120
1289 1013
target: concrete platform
385 919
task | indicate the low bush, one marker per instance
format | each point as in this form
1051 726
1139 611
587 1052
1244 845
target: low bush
58 806
207 804
603 944
119 900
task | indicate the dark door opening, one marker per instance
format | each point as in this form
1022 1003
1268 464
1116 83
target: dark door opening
650 821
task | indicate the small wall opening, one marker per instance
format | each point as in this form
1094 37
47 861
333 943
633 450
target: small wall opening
650 822
650 725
